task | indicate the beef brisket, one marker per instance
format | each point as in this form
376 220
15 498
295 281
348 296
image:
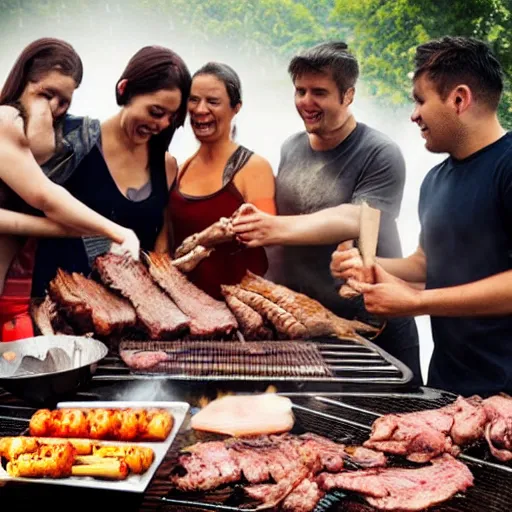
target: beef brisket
250 322
404 489
208 317
48 319
90 304
155 310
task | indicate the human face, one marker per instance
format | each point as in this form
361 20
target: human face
435 116
149 114
319 104
210 110
55 87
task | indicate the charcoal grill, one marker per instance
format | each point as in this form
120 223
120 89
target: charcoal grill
347 361
347 417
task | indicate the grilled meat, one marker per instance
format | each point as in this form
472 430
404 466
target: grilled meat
498 431
90 304
207 317
404 489
304 497
190 261
157 312
250 322
421 436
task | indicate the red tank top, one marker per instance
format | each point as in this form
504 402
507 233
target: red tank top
228 263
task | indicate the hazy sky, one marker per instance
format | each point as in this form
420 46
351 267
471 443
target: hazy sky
106 41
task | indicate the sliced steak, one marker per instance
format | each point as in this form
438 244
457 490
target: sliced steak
404 489
155 310
304 497
90 304
208 317
498 431
250 322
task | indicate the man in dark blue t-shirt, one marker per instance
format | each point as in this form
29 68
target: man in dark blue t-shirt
465 252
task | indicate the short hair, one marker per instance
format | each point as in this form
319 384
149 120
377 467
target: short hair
38 58
450 61
332 57
228 76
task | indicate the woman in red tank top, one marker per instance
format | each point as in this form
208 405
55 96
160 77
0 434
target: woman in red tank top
216 180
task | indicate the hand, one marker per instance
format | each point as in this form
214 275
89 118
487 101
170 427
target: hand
130 245
346 263
390 296
37 101
256 228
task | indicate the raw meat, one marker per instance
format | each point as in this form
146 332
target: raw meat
498 431
246 415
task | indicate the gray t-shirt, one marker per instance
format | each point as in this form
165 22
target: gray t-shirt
368 166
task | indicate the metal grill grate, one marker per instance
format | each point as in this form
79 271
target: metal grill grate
321 361
348 419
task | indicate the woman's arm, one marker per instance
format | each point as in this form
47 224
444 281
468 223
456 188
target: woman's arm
20 172
21 224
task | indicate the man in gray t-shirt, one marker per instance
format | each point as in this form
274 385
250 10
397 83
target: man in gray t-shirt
324 174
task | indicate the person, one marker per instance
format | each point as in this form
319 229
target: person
324 174
125 168
220 177
35 97
465 211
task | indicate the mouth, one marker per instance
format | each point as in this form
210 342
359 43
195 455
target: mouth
144 131
423 130
203 128
311 117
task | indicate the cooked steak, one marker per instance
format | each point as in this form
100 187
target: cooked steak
404 489
90 305
498 431
421 436
304 497
155 310
207 317
140 360
250 322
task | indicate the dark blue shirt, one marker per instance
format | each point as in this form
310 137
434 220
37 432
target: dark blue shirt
465 212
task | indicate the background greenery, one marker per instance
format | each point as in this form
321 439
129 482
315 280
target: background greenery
382 33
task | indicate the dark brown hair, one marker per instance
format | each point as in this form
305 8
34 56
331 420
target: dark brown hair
451 61
37 59
228 76
332 57
152 69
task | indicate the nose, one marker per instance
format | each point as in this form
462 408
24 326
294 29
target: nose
200 108
415 115
305 101
164 123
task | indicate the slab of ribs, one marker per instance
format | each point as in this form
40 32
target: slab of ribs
155 299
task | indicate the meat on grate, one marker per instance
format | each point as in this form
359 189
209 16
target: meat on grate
155 310
404 489
250 322
423 435
498 431
316 319
208 317
227 358
90 304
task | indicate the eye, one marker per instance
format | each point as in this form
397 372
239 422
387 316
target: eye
300 92
156 112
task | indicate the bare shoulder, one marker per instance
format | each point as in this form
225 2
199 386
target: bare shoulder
258 164
171 168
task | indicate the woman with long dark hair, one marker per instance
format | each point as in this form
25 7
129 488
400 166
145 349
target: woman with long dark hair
218 179
126 174
33 103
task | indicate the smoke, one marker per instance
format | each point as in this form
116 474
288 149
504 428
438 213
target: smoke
144 391
107 37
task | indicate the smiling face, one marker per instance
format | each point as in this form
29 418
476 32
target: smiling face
55 87
148 114
435 116
210 110
318 102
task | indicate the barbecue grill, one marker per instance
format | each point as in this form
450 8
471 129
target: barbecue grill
344 417
332 363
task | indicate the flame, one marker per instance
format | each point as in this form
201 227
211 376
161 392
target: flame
203 401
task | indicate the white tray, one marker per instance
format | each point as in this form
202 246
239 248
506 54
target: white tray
134 483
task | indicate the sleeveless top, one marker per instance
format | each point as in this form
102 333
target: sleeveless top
93 184
228 263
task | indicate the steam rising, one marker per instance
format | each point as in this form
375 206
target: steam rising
106 38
